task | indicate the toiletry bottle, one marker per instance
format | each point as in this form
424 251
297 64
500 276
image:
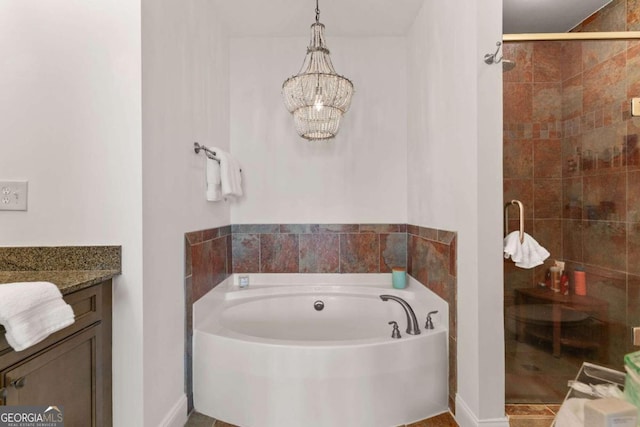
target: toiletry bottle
555 278
564 283
579 281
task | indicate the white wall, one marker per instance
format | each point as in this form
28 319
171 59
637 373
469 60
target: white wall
71 124
358 177
185 99
455 181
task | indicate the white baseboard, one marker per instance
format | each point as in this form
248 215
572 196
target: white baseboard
466 418
177 415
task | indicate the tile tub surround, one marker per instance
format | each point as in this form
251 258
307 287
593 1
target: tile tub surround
207 263
429 255
431 260
318 248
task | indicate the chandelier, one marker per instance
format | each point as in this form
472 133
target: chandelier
317 96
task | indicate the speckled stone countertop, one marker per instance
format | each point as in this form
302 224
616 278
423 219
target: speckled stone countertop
66 280
71 268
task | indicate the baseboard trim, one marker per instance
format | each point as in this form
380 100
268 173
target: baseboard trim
466 418
177 415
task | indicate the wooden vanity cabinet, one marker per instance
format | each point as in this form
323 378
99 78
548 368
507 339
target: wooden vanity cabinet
71 368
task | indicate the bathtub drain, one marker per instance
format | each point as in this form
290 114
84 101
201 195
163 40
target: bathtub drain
318 305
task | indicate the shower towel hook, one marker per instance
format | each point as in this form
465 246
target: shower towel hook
506 218
491 58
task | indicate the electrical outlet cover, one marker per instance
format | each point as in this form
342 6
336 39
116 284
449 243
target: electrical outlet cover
13 195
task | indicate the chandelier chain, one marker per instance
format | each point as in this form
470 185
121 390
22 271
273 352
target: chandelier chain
317 12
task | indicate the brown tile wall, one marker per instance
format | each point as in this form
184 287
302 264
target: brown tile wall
431 260
318 248
577 166
207 263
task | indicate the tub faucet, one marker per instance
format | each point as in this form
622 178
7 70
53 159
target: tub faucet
412 320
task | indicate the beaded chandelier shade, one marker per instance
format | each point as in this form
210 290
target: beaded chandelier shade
317 96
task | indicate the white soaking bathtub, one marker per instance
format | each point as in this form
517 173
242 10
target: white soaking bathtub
265 357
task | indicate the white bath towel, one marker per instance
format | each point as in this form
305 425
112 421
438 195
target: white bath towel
526 254
229 174
214 188
31 311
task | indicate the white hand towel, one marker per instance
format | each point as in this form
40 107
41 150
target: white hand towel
31 311
526 254
214 189
229 174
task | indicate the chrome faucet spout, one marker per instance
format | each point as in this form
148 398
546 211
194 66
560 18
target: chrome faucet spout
412 320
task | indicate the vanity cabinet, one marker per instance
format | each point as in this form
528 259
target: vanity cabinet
71 368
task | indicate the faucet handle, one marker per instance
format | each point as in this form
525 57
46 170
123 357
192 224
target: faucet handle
396 330
429 324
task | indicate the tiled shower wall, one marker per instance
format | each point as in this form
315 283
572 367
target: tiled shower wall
212 255
578 170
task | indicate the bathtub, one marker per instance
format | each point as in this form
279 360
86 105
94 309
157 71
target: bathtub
265 357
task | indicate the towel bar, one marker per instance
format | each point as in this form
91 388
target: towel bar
506 218
209 153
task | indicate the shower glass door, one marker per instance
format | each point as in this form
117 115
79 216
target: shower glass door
572 157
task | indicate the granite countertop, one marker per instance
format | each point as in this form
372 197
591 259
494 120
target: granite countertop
71 268
67 280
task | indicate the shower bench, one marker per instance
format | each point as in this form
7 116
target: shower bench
565 320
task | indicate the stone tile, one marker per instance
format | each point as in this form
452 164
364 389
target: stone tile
199 420
229 240
572 240
547 194
225 231
571 158
531 422
418 250
633 196
519 189
605 197
453 367
413 229
572 198
548 232
209 266
210 234
554 408
223 424
393 251
255 228
595 52
547 102
187 257
279 253
633 247
522 54
194 237
359 253
605 243
339 228
571 62
246 253
446 237
299 228
633 15
442 420
547 163
319 253
605 82
546 61
519 97
453 257
524 409
379 228
428 233
518 159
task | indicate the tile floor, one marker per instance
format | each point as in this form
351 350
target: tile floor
531 415
443 420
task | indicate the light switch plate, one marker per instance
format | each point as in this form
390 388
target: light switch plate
635 107
13 195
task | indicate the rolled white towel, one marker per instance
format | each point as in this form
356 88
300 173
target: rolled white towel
31 311
526 254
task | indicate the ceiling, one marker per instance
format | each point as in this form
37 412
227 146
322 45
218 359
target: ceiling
284 18
546 16
361 18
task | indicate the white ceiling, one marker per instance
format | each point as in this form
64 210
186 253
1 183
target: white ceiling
283 18
546 16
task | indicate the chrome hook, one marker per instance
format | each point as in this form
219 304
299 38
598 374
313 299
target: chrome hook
491 58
